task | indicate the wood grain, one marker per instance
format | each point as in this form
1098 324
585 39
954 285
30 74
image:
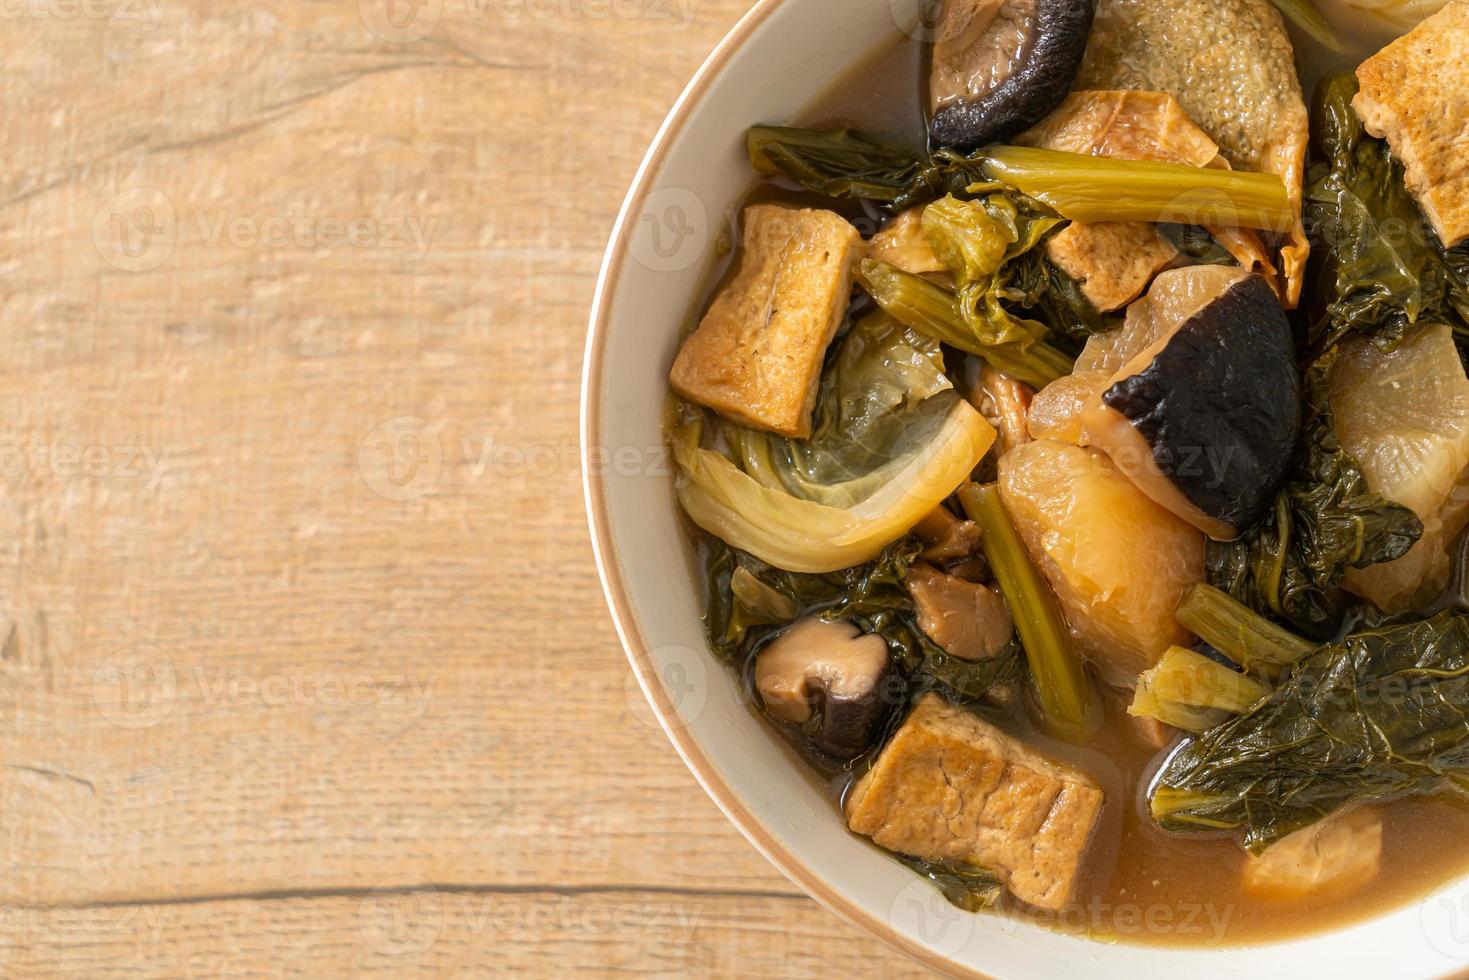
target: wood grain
297 611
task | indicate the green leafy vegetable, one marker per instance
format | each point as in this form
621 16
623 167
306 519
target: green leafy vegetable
988 244
851 164
1083 187
1064 693
877 406
971 240
1039 286
1381 715
1324 521
874 595
1383 267
977 240
1079 186
1243 636
1190 691
970 680
934 311
965 886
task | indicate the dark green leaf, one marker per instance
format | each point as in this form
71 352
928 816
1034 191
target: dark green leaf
971 680
1383 268
965 886
1038 286
848 163
1381 715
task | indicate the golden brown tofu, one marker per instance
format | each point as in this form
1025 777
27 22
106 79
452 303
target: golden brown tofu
1328 859
903 245
1415 95
756 356
969 621
950 786
1112 261
1115 260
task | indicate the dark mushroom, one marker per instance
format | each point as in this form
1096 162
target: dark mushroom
1205 418
1001 66
828 675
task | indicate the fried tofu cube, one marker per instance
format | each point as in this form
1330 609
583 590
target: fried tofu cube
756 356
1415 94
949 786
1113 261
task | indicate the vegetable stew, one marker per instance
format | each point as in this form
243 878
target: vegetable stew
1076 450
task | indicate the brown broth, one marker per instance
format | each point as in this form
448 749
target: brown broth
1139 884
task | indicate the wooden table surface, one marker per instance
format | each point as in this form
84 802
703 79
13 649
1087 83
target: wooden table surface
304 665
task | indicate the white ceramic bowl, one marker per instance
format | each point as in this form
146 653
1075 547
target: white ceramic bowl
777 59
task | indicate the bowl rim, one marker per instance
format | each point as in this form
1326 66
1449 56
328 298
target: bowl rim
634 643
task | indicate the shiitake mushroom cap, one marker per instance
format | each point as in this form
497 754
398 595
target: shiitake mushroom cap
1048 63
1215 408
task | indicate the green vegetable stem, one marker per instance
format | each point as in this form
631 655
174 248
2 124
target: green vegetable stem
1061 685
1241 634
1188 690
934 312
1083 187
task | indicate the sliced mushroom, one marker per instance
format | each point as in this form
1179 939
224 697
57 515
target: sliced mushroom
969 621
1005 404
1000 66
827 670
946 536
